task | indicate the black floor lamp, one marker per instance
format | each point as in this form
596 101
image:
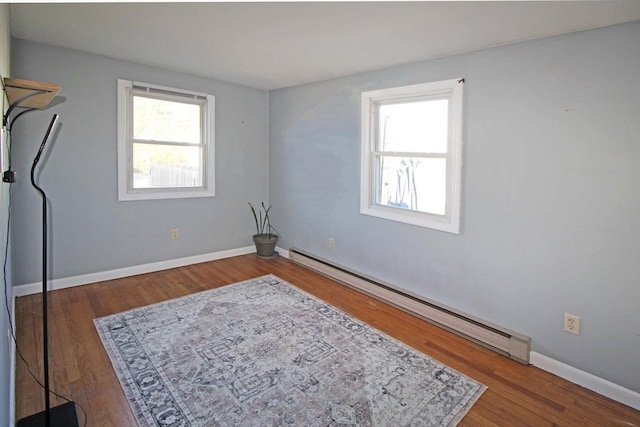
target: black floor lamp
63 415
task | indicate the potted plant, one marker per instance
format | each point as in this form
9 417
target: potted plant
266 236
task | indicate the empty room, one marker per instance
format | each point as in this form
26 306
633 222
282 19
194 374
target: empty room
320 213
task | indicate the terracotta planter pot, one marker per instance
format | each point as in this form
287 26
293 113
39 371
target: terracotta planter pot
265 245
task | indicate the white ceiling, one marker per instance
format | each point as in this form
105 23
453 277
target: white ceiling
275 45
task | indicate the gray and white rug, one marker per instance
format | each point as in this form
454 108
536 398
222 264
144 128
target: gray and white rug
264 353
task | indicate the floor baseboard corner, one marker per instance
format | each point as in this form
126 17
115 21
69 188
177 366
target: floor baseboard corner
84 279
282 252
599 385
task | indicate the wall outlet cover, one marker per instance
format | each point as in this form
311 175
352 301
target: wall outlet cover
572 323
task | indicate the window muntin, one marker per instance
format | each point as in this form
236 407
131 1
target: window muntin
411 154
165 144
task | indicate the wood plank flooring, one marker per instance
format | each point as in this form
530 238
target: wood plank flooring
517 395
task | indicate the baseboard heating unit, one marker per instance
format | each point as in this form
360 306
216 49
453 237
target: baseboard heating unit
494 337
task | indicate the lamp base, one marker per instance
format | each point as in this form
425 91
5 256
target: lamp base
61 416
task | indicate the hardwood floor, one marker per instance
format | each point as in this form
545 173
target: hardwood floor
517 395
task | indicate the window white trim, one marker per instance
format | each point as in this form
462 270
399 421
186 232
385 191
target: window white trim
125 147
371 100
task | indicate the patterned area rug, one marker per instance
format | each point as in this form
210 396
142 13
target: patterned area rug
264 353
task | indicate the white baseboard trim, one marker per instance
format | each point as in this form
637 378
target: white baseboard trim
282 252
582 378
586 380
68 282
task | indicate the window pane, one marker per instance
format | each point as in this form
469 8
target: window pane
166 166
412 183
162 120
419 127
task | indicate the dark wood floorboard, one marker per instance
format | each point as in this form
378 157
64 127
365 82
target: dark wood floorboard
517 395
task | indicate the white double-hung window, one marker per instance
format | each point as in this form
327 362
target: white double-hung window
411 154
165 142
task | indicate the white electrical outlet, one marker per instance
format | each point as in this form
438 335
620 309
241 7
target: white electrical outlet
572 323
331 244
175 233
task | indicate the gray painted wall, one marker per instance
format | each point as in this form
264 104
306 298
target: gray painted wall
551 192
5 358
90 230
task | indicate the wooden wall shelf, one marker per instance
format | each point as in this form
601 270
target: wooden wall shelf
16 89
